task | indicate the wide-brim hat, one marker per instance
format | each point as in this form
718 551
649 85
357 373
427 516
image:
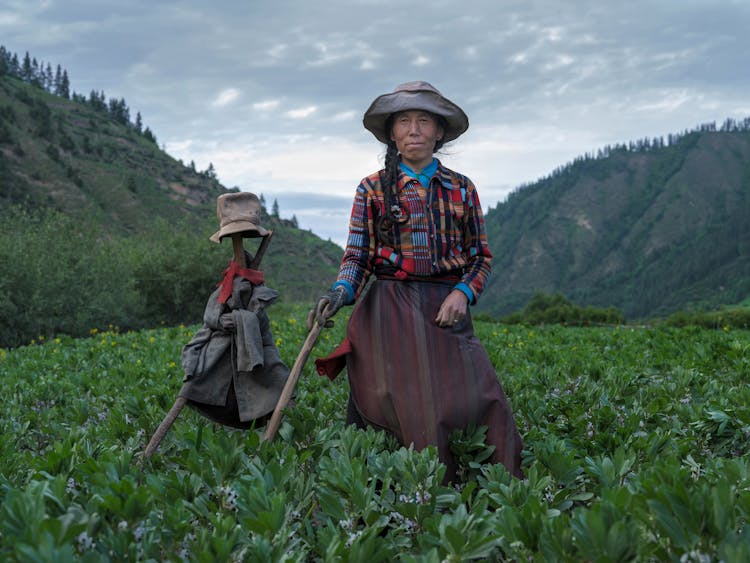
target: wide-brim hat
238 212
417 95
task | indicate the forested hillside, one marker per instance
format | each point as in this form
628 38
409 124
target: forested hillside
86 155
649 228
100 226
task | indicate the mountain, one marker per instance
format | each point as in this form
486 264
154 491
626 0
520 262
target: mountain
85 158
75 157
649 228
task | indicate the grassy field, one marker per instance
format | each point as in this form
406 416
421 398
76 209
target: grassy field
636 448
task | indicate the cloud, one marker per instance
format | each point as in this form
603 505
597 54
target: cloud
226 97
9 18
421 60
345 115
266 105
665 101
301 113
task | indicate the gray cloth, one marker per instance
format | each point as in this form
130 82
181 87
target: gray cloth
235 346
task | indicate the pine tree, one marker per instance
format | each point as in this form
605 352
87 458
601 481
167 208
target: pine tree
138 122
4 61
275 208
26 70
150 136
48 78
15 68
65 85
58 81
35 73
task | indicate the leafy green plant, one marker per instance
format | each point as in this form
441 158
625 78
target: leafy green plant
636 448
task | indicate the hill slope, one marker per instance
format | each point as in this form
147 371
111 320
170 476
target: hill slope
68 155
648 229
74 157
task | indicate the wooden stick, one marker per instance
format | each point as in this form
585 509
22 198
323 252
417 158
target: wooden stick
291 382
164 427
261 251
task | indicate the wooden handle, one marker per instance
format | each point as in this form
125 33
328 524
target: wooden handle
291 382
261 250
163 428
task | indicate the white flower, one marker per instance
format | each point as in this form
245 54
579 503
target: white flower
85 541
353 536
345 524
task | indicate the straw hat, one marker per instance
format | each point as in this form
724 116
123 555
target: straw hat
410 96
238 213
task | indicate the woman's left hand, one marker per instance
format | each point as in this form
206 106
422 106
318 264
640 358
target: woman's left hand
453 309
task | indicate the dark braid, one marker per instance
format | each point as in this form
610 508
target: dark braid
389 182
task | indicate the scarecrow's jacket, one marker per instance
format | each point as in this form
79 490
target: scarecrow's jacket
235 345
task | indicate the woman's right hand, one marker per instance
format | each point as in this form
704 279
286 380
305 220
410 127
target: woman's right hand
327 306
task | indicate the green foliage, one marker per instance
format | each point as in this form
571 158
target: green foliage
556 309
636 448
59 275
56 277
731 317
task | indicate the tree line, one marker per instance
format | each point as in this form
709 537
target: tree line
57 83
643 145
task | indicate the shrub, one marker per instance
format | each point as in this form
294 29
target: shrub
57 275
173 271
736 317
544 308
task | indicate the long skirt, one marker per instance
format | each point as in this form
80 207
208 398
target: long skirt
420 381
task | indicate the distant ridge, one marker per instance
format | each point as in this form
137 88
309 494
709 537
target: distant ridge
649 227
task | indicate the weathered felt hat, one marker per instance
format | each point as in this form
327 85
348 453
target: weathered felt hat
238 213
410 96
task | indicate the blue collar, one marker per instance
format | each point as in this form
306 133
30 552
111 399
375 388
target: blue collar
424 176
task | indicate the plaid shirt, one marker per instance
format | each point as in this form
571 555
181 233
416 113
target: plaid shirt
444 234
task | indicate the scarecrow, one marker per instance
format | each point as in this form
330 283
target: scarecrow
233 373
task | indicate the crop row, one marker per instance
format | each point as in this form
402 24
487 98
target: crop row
636 447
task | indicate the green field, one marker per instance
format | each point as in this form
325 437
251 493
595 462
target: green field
636 440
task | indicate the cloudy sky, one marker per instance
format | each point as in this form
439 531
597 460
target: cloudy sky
272 92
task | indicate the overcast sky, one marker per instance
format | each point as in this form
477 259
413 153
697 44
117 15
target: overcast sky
272 92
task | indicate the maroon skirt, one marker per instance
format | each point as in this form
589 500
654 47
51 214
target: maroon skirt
420 381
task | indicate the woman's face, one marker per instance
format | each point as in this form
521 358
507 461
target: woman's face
415 133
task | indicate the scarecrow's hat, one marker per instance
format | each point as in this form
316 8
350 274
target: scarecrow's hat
238 213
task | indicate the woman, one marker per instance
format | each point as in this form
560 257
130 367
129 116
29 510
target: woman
415 367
